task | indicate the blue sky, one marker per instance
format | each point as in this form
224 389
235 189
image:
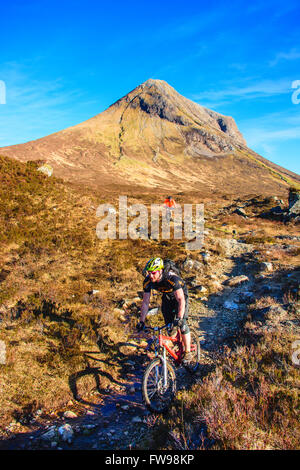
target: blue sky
64 62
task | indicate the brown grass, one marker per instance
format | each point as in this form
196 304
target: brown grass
50 261
250 402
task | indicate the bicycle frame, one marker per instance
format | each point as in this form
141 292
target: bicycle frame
159 380
161 342
163 339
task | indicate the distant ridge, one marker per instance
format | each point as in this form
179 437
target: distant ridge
155 137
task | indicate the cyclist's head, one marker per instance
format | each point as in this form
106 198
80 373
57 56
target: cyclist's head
169 197
154 264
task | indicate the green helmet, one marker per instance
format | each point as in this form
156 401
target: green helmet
154 264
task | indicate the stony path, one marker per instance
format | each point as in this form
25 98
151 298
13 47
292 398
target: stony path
220 316
120 419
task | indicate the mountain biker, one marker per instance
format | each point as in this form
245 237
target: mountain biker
169 202
174 300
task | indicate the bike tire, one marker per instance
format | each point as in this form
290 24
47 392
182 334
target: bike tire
155 397
193 366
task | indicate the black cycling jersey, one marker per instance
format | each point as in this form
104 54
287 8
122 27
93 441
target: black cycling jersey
169 283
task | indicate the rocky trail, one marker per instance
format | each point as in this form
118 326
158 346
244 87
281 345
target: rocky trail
120 420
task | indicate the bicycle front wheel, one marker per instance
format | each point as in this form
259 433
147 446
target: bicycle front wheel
158 391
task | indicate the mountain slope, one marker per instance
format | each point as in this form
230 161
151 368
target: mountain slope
154 137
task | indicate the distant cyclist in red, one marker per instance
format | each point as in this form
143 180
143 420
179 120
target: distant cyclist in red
169 202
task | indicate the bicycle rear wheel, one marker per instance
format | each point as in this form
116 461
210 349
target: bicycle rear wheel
195 351
156 394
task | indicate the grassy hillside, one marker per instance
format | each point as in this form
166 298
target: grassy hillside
50 262
69 300
45 242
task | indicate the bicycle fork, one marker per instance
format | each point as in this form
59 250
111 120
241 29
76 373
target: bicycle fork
164 361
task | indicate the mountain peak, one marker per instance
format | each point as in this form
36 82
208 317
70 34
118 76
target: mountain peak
159 99
154 81
160 85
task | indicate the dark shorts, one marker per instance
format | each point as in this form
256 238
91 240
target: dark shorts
169 308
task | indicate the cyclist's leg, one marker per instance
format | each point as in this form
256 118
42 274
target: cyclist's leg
168 311
168 214
185 331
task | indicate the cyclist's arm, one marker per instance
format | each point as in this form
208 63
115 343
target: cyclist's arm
179 296
145 306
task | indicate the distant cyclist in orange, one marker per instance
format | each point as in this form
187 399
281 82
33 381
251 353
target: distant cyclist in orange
169 204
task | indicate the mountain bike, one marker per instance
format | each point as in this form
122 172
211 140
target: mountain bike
159 380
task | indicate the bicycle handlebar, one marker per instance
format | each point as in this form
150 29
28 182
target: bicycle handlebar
157 328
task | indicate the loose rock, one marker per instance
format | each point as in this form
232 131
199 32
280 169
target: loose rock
235 281
66 433
70 414
136 419
230 305
266 266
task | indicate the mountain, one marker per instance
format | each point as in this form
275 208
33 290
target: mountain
155 138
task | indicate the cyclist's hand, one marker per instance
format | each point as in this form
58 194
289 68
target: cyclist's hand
140 326
173 328
178 322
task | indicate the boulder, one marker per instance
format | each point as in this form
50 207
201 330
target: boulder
197 265
200 288
265 266
50 434
188 264
66 433
136 419
240 212
294 197
294 211
46 169
153 311
235 281
230 305
70 414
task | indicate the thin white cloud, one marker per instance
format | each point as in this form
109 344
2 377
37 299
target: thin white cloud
259 136
35 108
293 54
260 89
271 128
275 136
